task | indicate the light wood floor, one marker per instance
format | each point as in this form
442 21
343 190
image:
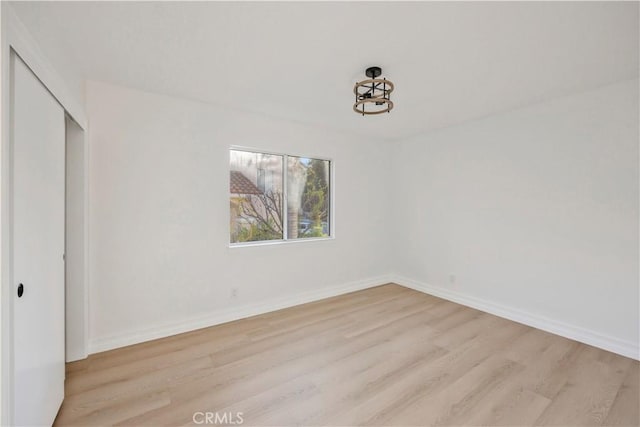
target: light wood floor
382 356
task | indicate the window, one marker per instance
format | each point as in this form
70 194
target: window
278 197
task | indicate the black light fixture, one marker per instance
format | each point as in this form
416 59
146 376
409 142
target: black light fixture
373 95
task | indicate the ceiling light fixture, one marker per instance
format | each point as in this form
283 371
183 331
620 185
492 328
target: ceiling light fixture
374 93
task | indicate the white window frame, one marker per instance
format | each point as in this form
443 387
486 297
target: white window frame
285 222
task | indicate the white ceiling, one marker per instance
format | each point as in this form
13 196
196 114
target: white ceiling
451 62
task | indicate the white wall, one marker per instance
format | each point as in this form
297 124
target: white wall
534 211
159 176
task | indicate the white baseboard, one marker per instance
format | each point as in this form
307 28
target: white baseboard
223 316
75 354
615 345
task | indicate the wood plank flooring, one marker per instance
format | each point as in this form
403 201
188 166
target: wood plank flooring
382 356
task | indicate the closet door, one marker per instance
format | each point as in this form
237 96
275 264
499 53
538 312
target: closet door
38 135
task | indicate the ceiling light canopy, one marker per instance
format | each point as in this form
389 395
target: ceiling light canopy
373 95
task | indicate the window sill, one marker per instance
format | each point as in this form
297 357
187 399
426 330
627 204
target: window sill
278 242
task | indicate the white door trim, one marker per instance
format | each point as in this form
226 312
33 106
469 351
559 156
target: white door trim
18 38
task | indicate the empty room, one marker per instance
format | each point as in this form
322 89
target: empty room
366 213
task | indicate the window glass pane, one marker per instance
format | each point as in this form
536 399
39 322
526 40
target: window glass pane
256 196
307 197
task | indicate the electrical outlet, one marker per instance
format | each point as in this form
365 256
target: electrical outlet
452 279
234 293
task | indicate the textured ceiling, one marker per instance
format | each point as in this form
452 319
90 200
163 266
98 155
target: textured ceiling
451 62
